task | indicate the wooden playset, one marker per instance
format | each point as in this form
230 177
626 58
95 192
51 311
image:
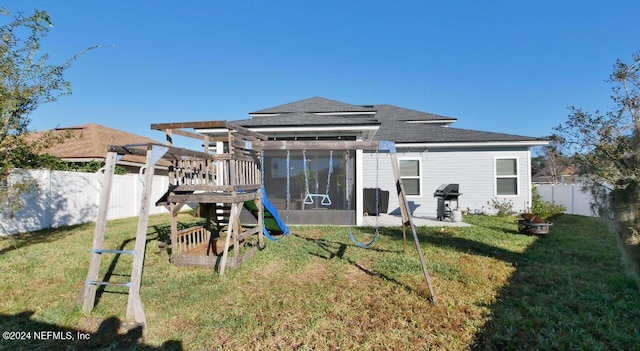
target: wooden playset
221 184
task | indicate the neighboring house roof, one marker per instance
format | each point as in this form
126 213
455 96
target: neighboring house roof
561 174
89 142
568 170
395 123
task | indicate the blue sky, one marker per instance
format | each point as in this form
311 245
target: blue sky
504 66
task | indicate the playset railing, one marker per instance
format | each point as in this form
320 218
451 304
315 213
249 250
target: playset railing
192 239
223 172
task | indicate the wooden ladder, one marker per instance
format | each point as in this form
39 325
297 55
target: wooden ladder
135 310
406 211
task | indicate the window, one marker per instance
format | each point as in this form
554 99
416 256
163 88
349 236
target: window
410 176
507 176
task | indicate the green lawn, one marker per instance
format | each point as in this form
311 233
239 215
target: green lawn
496 290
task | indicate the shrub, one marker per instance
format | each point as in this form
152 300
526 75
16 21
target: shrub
544 209
504 208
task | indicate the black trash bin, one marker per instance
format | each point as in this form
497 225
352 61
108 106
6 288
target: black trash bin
369 201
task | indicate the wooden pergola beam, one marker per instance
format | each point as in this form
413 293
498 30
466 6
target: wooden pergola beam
193 125
174 152
188 134
246 131
177 126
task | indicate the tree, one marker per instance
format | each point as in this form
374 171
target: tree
550 162
26 81
607 147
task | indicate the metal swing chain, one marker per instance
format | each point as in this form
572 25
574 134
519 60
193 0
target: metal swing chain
346 186
351 236
304 166
377 193
288 184
329 173
263 187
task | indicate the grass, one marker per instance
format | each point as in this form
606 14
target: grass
496 290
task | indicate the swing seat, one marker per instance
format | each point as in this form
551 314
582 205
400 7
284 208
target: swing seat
326 200
364 245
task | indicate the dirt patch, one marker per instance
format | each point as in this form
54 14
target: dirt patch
273 268
314 233
313 272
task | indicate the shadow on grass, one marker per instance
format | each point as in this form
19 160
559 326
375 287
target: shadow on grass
568 292
160 233
431 235
335 249
22 332
469 246
18 241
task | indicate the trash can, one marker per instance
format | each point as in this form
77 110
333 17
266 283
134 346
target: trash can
369 201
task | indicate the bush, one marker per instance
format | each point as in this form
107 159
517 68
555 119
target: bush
544 209
504 208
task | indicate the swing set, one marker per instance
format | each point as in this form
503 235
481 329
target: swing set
325 199
376 146
223 183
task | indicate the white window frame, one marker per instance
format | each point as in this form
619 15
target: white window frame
496 176
418 177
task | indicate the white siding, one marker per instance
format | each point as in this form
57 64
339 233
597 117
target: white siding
473 169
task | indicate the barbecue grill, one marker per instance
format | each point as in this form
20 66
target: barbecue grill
445 194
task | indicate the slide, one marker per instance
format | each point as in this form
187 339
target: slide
273 225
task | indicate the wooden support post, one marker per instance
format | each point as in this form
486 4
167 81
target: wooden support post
225 253
260 220
169 136
404 237
177 208
237 231
211 246
174 231
135 309
88 294
406 219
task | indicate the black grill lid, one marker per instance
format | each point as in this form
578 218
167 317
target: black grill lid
447 189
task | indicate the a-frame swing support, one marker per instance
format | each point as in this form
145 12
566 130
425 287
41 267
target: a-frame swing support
87 296
362 145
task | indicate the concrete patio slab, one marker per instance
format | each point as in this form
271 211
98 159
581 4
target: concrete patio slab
387 220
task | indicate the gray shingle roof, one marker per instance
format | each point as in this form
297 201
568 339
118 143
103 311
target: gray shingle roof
315 104
393 121
402 132
306 119
390 112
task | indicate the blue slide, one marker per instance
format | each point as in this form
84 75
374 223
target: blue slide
273 225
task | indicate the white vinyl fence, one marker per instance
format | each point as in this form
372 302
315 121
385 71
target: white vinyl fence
570 196
68 198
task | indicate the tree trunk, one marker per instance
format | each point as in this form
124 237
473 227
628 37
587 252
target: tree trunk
626 217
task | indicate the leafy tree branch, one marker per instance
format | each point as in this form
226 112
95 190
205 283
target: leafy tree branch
27 80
